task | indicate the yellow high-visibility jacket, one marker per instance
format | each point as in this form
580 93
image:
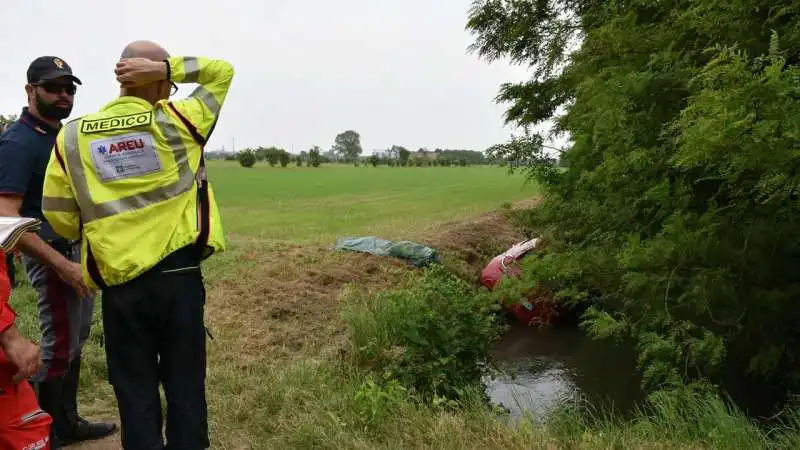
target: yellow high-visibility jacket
130 179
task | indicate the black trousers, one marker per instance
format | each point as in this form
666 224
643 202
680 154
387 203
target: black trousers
154 333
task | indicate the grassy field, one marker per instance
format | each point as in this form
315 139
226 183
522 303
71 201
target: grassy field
315 205
278 374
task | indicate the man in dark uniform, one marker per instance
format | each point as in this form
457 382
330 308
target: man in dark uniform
51 262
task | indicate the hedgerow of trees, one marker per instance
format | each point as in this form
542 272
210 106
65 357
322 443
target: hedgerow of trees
347 149
675 220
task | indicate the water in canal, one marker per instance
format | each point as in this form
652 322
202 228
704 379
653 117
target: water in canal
544 367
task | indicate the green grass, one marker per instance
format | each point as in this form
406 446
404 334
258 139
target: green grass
319 204
267 390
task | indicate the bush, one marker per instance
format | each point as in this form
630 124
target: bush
247 158
432 337
315 158
675 217
284 159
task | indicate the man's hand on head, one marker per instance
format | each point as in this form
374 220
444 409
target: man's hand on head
133 72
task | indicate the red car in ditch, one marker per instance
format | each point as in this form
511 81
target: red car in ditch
536 308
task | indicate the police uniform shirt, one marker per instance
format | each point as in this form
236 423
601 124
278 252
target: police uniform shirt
24 153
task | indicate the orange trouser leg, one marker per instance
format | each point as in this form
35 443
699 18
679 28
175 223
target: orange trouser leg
23 425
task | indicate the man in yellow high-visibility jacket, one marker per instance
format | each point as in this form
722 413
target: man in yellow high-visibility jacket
130 182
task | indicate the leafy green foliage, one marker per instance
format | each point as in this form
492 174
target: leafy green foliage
673 214
315 156
285 158
685 417
404 153
432 337
348 145
247 158
376 400
273 158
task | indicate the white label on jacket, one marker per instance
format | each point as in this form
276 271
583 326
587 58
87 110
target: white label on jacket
125 156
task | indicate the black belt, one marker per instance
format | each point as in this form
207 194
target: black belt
184 259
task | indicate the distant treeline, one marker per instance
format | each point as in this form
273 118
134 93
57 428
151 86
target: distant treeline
396 157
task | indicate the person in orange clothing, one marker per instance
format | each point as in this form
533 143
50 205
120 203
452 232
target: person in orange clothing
23 425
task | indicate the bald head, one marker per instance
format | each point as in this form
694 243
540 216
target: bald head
142 61
145 49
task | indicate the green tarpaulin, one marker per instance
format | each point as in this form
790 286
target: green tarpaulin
417 254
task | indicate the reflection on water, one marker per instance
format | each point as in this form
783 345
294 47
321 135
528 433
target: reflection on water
543 368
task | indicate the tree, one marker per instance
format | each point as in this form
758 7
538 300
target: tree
673 221
261 153
396 151
348 145
247 158
273 156
404 155
315 156
284 158
472 157
374 160
299 161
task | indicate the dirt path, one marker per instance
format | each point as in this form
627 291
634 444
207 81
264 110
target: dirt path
111 443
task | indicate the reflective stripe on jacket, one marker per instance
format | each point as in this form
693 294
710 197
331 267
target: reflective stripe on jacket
130 179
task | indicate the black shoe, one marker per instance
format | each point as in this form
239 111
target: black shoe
83 430
74 428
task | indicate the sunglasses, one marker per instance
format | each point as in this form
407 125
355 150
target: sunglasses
57 88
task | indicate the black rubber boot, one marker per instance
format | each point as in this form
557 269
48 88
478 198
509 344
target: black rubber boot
48 394
74 428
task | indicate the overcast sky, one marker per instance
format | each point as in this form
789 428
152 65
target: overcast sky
396 71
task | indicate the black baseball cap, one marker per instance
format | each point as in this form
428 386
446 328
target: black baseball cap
46 68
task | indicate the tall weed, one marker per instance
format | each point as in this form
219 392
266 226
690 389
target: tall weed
433 337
